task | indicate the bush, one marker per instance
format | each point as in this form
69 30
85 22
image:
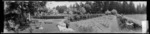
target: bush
122 24
82 17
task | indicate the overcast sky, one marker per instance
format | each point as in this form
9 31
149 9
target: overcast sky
139 2
60 3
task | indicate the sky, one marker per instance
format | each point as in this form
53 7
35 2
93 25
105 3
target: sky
52 4
140 2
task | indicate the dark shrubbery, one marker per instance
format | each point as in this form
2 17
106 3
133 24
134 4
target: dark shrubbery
122 8
17 11
50 17
83 17
122 24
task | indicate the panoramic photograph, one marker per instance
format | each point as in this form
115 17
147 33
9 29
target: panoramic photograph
75 17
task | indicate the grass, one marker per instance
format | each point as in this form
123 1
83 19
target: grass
137 16
100 24
105 23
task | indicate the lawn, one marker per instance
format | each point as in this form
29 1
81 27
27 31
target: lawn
138 16
96 25
102 24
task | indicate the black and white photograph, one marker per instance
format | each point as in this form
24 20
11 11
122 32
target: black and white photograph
75 17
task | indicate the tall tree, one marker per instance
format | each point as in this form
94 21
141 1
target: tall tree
19 10
131 7
61 9
87 6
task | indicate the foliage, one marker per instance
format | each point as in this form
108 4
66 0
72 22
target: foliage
123 24
122 8
83 17
61 9
17 11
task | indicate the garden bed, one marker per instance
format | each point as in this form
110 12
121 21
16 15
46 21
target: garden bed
49 17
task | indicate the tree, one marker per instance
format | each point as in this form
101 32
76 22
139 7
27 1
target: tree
119 7
81 10
61 9
131 7
17 12
93 7
87 6
141 9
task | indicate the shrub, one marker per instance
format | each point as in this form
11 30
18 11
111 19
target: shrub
122 24
82 17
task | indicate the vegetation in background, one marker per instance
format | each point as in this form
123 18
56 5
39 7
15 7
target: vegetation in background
97 7
17 12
